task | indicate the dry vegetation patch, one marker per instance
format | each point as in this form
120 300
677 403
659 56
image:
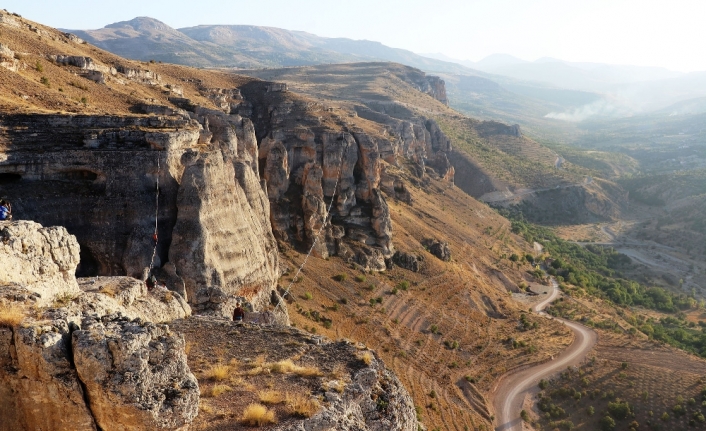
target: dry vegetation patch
11 315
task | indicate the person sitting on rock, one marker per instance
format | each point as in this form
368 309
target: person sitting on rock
151 282
238 313
5 210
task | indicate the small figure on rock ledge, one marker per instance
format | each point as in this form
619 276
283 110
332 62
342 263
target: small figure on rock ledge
238 313
5 210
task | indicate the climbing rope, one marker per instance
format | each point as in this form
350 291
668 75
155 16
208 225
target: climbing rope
155 237
327 220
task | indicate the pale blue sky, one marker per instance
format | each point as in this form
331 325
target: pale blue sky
667 33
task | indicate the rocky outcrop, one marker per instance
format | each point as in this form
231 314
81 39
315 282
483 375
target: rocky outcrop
47 380
218 238
108 374
135 375
37 260
440 249
408 261
371 399
8 59
97 176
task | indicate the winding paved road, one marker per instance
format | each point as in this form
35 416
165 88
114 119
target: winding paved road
510 392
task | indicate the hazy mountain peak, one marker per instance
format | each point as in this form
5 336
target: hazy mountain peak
142 23
500 60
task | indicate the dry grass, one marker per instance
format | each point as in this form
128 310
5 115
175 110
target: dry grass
108 291
258 415
270 397
367 357
335 385
11 315
205 407
287 366
220 389
218 372
302 405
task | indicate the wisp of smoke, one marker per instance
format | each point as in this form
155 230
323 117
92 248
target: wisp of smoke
599 107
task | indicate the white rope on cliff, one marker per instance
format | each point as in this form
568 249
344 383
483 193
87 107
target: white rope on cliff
156 217
327 220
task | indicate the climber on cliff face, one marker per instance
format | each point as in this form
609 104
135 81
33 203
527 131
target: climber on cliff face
5 210
238 313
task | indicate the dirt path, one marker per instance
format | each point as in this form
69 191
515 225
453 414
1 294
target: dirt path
511 391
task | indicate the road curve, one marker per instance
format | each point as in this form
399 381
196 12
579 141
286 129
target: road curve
510 392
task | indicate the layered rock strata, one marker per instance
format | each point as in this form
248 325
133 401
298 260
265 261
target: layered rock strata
98 175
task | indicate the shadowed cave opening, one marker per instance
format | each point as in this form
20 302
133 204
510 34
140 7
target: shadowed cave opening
88 265
7 178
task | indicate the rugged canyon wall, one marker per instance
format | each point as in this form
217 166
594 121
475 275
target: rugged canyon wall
97 176
310 159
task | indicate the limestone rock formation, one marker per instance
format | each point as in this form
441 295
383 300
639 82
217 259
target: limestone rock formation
40 260
97 176
440 249
135 375
39 387
408 261
44 381
218 239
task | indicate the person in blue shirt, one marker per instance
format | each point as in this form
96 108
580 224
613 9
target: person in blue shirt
5 210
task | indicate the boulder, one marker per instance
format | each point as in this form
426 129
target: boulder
135 374
42 388
439 249
408 261
40 259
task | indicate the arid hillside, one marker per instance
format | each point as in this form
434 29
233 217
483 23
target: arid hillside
409 265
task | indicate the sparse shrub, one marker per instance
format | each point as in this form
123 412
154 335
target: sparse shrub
367 357
624 365
108 291
343 301
434 329
403 285
619 409
340 277
665 416
287 366
308 296
607 423
220 389
371 286
84 101
38 67
270 397
590 411
543 384
218 372
63 300
524 415
257 415
45 81
394 291
360 278
168 297
11 315
302 405
432 394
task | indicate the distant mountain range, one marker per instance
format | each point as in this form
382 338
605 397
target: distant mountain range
246 46
500 85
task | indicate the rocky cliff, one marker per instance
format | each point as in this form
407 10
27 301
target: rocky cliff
84 358
98 176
